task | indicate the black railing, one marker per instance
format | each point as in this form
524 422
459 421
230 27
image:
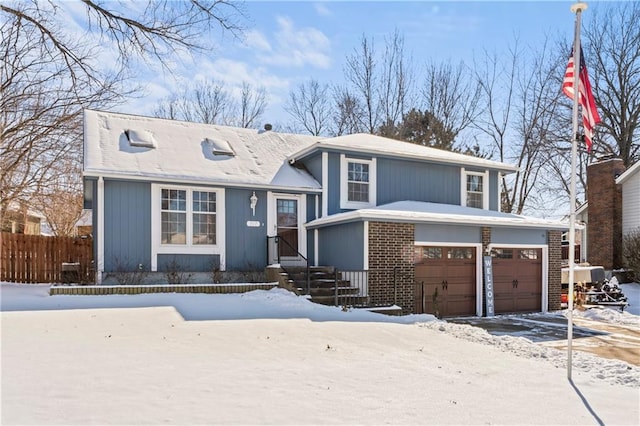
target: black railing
352 287
274 245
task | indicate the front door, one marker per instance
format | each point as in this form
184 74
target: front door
287 227
286 221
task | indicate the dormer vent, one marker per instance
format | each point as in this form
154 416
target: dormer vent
140 138
219 147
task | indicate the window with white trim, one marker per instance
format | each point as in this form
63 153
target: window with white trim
357 182
475 189
188 217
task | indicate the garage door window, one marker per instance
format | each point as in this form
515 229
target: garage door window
460 253
427 253
502 253
528 254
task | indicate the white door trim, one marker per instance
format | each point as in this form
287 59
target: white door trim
302 211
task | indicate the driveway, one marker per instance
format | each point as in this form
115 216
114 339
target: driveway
607 340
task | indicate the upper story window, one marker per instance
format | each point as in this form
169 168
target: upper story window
357 183
188 217
475 190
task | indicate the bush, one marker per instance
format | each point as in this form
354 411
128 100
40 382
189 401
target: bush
631 253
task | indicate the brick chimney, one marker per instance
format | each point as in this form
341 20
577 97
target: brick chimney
604 231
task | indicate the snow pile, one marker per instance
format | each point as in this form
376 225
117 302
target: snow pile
604 314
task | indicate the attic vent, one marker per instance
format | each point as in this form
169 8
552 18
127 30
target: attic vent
219 147
141 138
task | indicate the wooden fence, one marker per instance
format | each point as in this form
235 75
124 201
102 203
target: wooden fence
39 259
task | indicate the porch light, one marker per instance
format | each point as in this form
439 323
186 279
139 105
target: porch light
253 200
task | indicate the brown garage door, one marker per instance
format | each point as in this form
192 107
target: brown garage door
445 281
517 279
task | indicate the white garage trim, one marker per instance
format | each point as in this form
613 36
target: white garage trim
479 276
544 305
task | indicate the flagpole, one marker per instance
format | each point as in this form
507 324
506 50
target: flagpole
576 8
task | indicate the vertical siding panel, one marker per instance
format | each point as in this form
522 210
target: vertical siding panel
245 246
127 225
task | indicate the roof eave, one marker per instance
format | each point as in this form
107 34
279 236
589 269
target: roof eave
501 167
358 215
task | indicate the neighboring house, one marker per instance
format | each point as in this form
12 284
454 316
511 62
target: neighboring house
18 219
629 182
209 197
612 210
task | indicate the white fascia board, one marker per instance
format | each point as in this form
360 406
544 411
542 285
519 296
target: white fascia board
628 173
199 182
484 164
378 215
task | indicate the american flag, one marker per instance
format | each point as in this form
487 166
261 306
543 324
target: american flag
590 116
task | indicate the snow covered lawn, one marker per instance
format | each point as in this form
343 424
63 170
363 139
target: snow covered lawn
268 357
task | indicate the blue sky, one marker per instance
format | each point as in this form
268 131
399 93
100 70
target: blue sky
289 42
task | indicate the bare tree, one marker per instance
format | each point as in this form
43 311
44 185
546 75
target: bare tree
206 102
396 81
61 202
211 102
451 95
155 30
48 75
360 71
612 45
40 113
521 97
310 107
347 114
253 103
383 86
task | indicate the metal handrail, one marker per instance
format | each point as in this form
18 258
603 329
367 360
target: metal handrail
277 240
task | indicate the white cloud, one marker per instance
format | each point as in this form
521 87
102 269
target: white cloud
298 47
322 9
234 73
256 40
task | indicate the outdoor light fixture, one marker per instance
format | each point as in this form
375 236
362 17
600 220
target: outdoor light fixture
253 201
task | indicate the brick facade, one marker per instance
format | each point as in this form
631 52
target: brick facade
604 231
554 241
392 245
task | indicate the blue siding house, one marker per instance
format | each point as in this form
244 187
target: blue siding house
215 198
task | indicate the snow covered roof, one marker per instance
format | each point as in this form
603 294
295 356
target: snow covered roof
422 212
627 174
136 147
366 143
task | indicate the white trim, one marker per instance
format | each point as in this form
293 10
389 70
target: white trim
344 169
544 306
426 157
628 173
169 180
157 247
485 187
499 195
302 210
424 217
315 246
325 184
365 248
479 272
317 212
100 234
